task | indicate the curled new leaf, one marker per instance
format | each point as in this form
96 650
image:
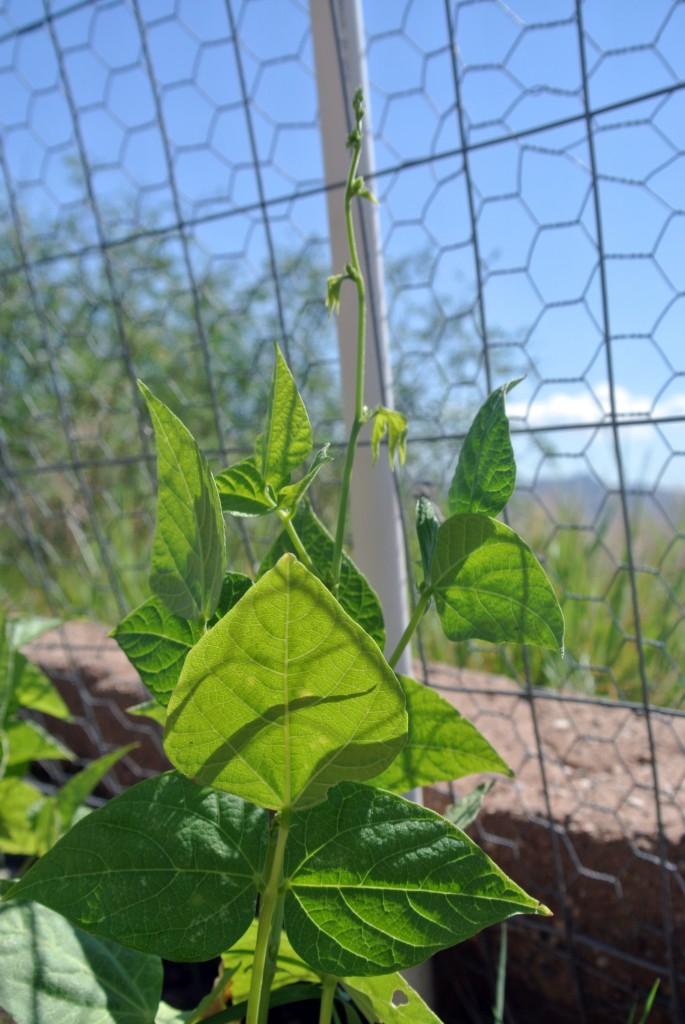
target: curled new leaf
395 425
427 532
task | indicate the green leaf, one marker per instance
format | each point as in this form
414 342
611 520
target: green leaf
285 697
427 532
156 643
149 709
395 424
377 884
290 495
53 973
464 812
29 742
167 1014
388 999
441 745
168 867
17 833
23 631
485 476
78 788
333 286
34 690
235 586
6 675
488 585
290 968
355 592
243 491
189 547
287 439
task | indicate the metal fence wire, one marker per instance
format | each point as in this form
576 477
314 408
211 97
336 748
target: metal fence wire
164 217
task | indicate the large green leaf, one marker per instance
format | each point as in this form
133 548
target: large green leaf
377 883
53 973
441 745
388 999
156 643
488 585
354 593
242 490
189 546
485 476
287 439
168 867
285 697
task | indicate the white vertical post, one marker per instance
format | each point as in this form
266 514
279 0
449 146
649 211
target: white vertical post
374 507
338 32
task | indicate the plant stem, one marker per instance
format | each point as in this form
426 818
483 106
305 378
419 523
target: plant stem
416 617
355 273
262 975
498 1008
327 997
300 549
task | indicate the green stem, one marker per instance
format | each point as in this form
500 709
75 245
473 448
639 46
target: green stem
271 962
498 1008
262 976
327 997
355 273
416 617
300 549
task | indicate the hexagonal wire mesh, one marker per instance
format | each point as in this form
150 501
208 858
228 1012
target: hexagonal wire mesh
165 218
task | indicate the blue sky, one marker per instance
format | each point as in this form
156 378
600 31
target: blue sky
519 69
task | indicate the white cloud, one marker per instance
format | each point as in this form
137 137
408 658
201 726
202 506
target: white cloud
551 408
644 449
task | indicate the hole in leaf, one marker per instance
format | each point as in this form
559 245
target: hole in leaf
399 998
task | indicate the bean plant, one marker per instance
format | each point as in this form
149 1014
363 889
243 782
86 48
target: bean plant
281 841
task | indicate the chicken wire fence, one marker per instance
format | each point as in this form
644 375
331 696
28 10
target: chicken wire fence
164 200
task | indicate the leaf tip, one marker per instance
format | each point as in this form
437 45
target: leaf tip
543 911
